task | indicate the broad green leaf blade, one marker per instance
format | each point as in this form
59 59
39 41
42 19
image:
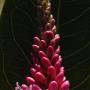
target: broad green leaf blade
17 28
75 42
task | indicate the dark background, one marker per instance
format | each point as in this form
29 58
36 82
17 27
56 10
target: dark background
18 25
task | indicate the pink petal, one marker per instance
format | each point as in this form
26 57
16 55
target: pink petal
54 58
57 50
53 85
24 87
41 54
37 40
40 78
36 48
58 65
64 79
30 80
43 44
18 87
55 40
54 29
50 51
33 71
38 68
35 87
64 86
62 69
49 34
52 21
51 72
45 62
59 78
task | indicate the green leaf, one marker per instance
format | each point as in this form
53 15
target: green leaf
18 25
75 42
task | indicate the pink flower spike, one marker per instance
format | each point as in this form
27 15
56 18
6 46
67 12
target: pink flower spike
53 85
64 86
46 72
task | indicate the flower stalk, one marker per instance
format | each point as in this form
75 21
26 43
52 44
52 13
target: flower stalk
47 73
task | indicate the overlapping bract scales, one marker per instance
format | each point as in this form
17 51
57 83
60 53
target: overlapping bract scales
47 73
